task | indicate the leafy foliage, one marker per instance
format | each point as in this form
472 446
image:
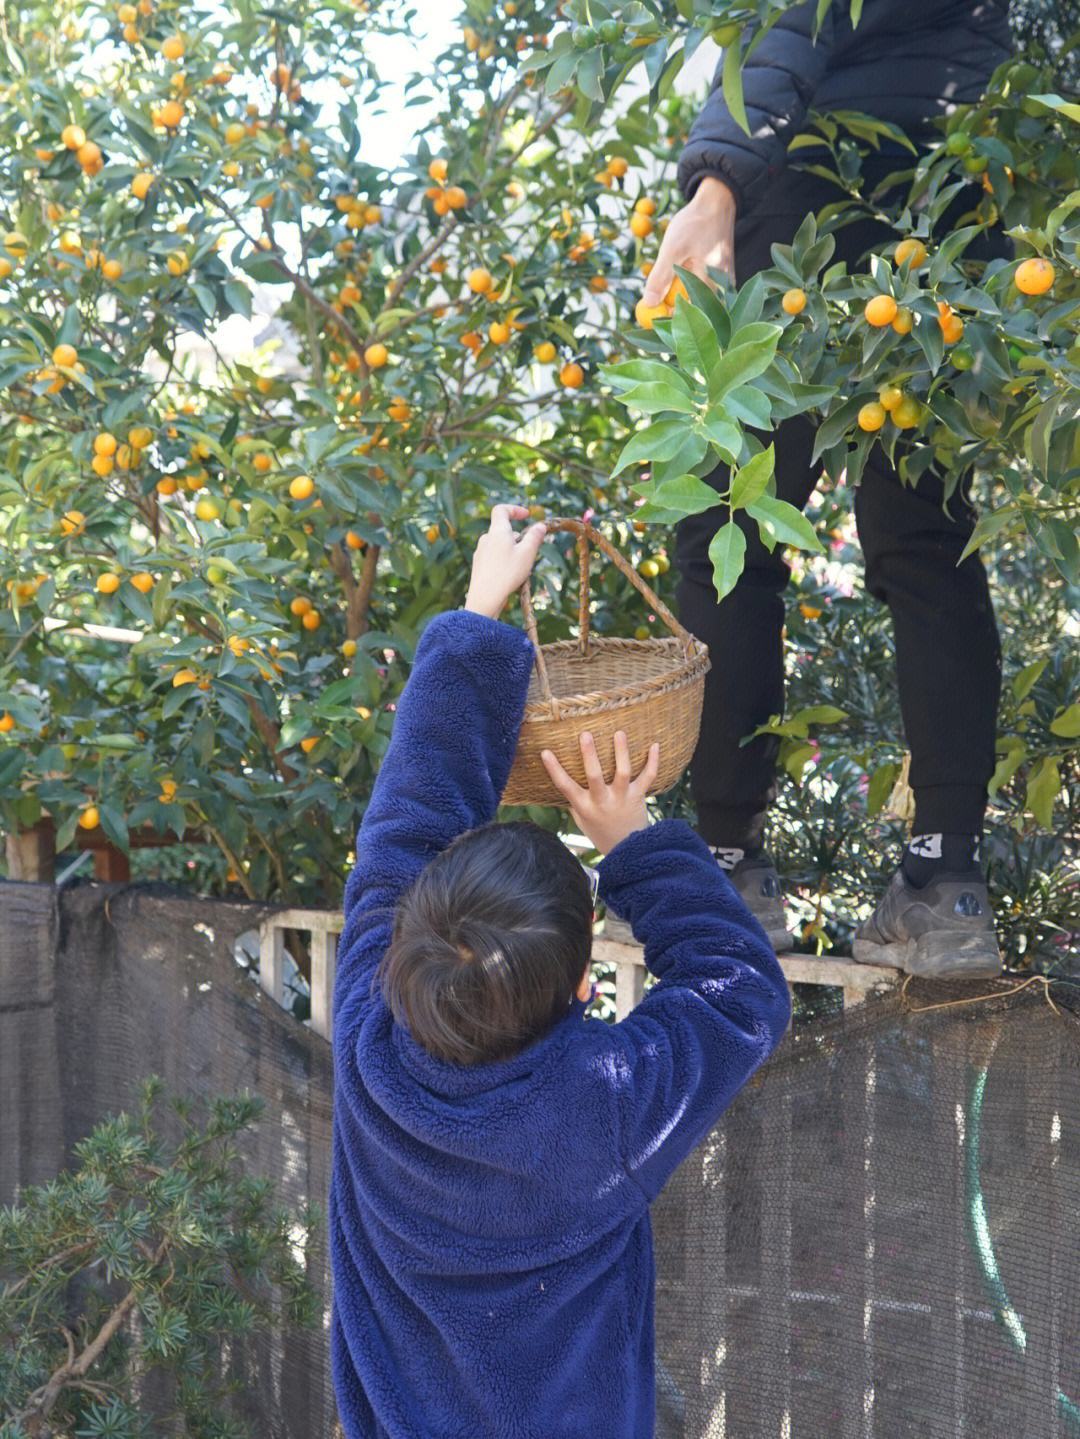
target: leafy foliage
144 1260
276 526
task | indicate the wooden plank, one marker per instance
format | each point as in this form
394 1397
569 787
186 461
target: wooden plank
323 970
272 959
112 865
31 855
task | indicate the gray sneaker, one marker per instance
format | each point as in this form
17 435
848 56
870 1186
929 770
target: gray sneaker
943 931
759 888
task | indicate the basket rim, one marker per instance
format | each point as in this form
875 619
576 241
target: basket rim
693 664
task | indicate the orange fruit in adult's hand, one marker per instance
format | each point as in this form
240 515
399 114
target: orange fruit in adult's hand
1034 277
911 252
73 136
89 818
479 281
794 302
872 416
880 311
674 290
645 314
375 356
572 375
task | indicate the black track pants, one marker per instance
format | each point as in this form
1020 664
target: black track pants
947 651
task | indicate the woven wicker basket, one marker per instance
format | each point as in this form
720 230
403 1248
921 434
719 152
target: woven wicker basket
650 688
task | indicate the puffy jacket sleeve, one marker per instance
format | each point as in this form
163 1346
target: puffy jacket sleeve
720 1008
779 80
449 758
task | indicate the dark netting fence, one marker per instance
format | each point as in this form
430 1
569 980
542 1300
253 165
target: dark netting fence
882 1238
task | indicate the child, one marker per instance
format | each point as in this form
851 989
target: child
494 1155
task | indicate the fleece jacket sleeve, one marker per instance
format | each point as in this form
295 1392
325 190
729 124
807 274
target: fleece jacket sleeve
448 761
779 79
720 1008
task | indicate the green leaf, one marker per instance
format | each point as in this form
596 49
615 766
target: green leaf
784 524
1067 723
724 435
1010 762
238 297
588 76
987 526
837 424
1043 786
1057 104
656 442
695 340
1028 678
686 494
655 399
797 757
880 787
114 825
820 714
733 87
739 365
642 372
727 552
115 741
751 482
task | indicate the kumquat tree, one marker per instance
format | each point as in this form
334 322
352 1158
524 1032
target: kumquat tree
269 528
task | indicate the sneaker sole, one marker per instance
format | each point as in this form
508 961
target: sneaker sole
935 956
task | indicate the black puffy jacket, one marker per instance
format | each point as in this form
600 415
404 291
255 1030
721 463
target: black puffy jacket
906 61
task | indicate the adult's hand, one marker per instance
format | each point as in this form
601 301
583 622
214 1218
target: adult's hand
701 236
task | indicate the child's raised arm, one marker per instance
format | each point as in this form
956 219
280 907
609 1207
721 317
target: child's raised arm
453 743
722 1003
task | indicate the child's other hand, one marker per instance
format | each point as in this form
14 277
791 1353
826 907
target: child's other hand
607 813
503 561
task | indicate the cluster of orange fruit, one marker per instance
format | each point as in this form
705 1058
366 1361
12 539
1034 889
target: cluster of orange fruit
129 15
444 197
88 154
894 404
615 169
64 357
358 211
110 453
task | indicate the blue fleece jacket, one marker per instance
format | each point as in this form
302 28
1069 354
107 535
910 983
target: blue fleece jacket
489 1224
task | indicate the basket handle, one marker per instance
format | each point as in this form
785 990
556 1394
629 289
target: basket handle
586 535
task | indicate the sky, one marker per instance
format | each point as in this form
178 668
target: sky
398 58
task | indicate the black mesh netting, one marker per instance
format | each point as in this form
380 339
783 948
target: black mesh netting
881 1239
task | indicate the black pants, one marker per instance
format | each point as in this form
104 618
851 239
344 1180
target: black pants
948 656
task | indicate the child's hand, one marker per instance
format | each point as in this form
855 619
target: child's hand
503 561
607 813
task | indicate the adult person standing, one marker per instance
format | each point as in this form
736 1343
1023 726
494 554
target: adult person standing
907 64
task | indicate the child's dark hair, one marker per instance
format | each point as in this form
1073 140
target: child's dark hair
489 944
